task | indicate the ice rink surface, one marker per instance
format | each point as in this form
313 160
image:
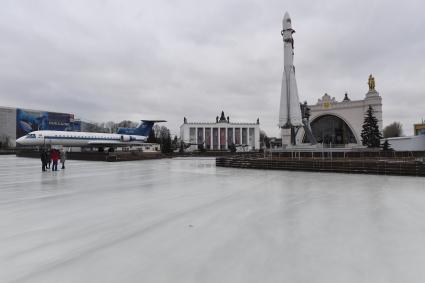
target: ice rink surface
184 220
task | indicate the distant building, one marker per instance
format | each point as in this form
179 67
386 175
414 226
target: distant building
419 129
275 143
339 123
7 126
410 143
219 135
17 122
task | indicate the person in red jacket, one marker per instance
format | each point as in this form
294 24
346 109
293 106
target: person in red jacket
55 158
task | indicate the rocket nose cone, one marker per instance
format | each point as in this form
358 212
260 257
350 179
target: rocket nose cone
286 23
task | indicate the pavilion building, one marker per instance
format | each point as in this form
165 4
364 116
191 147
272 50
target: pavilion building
219 135
340 123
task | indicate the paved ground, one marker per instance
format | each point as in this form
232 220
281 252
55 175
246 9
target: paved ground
186 221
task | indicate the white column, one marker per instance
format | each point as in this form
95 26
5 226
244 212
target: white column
220 138
257 138
247 139
218 135
219 141
225 138
211 137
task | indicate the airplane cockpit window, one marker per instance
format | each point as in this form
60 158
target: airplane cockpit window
30 136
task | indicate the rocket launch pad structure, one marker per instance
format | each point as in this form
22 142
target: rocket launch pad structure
290 116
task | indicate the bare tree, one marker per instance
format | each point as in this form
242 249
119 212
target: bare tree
111 126
127 124
151 137
393 130
163 137
157 130
101 126
264 140
108 127
93 127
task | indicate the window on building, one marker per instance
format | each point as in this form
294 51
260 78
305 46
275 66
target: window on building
222 138
215 138
330 129
244 136
192 135
230 136
208 138
200 140
251 136
238 136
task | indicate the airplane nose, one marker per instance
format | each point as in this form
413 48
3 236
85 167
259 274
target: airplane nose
20 140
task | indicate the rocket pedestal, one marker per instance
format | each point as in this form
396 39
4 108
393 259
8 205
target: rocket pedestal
286 136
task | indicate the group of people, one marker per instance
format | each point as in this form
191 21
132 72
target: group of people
51 158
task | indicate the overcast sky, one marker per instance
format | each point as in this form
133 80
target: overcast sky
116 60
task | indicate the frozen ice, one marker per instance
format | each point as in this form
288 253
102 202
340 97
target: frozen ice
184 220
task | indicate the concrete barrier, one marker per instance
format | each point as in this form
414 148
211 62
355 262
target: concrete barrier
359 165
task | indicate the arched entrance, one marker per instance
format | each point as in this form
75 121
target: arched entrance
331 129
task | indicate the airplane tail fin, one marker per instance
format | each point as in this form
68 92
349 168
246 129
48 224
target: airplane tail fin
142 130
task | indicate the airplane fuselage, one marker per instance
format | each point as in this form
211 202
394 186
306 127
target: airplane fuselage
78 139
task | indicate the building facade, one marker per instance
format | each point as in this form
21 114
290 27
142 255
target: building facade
17 122
8 126
339 123
221 134
409 143
419 129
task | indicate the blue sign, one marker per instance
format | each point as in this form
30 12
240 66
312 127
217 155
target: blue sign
29 120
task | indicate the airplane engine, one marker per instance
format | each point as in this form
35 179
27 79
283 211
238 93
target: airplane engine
125 138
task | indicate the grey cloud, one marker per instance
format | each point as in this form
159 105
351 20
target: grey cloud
113 60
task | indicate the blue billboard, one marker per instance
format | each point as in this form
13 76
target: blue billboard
30 120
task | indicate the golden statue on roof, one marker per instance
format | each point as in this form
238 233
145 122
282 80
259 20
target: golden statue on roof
371 82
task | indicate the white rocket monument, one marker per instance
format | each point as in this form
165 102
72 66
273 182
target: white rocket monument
290 112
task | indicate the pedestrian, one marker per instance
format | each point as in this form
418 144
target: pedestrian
63 158
55 158
48 158
43 157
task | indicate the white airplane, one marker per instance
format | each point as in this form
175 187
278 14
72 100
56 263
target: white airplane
123 137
